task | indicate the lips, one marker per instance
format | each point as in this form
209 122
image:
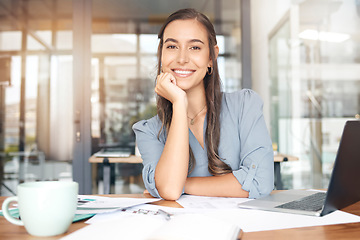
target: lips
183 72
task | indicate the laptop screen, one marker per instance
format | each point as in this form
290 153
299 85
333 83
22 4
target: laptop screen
344 186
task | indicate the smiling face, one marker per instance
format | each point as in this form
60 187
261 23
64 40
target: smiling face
185 53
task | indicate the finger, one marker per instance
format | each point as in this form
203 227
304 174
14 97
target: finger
166 77
173 80
160 78
169 76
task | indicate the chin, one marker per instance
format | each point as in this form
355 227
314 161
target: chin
183 85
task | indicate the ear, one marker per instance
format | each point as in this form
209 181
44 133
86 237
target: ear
216 51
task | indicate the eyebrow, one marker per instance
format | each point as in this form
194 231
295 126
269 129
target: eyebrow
176 41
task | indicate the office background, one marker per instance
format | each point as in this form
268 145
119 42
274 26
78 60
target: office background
76 74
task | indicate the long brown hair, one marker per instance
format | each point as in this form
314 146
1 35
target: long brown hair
213 94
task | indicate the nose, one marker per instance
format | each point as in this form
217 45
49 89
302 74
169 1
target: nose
183 56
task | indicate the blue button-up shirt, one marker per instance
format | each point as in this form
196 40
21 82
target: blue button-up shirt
245 145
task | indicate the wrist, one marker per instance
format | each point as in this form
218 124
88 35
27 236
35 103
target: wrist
187 185
180 103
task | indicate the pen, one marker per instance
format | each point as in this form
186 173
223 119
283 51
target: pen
167 215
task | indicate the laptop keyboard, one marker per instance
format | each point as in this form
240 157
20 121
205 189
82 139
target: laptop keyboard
313 202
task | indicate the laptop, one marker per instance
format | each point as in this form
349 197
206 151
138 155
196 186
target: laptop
343 189
112 153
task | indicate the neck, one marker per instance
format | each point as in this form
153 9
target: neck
196 103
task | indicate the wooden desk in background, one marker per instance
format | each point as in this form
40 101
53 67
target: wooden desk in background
106 161
9 231
279 158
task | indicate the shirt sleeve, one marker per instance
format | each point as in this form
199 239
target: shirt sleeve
151 148
256 170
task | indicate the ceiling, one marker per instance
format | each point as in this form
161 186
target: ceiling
121 16
40 13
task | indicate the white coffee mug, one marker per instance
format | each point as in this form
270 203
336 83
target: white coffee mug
46 208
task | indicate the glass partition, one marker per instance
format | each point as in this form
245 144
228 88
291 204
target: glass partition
315 86
124 46
36 100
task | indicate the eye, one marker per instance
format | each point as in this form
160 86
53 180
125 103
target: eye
171 47
195 48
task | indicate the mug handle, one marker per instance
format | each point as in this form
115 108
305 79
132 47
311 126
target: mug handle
7 215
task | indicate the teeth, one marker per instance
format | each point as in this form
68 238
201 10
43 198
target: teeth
182 72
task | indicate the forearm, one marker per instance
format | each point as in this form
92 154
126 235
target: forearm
172 168
216 186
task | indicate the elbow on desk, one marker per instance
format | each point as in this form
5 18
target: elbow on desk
168 193
168 189
265 193
258 192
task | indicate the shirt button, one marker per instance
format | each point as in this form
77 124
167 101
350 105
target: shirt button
253 166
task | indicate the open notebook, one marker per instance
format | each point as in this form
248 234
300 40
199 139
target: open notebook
179 227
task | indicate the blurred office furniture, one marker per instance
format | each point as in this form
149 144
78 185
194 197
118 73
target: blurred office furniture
278 159
24 159
108 160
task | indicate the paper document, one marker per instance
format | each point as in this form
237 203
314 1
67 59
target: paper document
224 209
144 227
191 201
144 209
88 204
257 220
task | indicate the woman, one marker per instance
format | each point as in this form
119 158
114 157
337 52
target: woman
202 141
